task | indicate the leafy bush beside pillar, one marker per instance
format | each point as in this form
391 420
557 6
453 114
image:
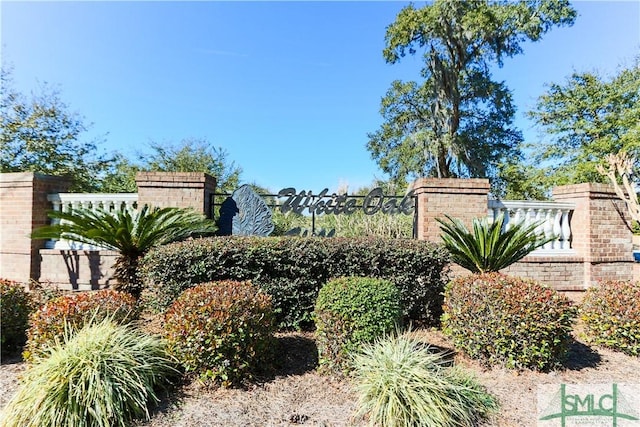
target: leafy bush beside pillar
508 321
611 314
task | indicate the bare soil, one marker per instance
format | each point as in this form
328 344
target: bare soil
297 395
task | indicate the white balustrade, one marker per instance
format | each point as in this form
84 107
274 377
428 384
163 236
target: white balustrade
552 219
67 202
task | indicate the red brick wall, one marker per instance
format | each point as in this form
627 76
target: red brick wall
176 189
601 237
560 272
77 270
601 231
461 198
23 208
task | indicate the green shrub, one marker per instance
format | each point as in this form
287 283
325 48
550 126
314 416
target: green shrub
44 292
508 321
102 375
402 382
221 331
350 312
611 313
292 270
15 306
48 323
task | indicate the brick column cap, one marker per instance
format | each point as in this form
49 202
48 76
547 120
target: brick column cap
587 189
30 176
452 185
173 177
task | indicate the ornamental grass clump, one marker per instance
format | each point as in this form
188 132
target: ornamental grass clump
71 312
350 312
15 306
402 382
508 321
611 315
103 375
222 332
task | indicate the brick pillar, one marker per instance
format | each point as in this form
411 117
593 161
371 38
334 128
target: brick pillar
23 208
460 198
600 231
177 189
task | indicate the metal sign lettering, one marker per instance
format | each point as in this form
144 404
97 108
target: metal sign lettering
336 204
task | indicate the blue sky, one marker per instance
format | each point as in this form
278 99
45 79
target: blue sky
289 89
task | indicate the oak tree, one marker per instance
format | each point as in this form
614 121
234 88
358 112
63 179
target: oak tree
456 122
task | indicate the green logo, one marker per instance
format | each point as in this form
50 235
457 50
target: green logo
589 405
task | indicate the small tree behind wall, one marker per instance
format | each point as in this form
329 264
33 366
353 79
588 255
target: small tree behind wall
621 175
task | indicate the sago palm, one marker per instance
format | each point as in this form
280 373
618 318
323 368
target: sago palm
488 247
131 235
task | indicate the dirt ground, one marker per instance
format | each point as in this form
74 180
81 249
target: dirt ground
297 395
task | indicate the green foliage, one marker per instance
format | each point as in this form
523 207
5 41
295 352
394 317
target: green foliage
508 321
102 376
42 135
520 181
132 235
404 383
15 306
611 314
350 312
586 118
121 177
189 155
222 331
47 325
292 270
458 121
488 248
194 155
358 224
42 293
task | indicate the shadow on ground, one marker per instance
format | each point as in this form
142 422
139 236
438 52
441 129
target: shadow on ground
581 356
297 354
11 358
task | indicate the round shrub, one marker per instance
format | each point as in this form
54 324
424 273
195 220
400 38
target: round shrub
503 320
101 376
611 314
352 311
402 382
48 323
15 306
221 331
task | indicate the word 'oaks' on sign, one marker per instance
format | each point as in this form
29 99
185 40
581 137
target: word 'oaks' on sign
336 204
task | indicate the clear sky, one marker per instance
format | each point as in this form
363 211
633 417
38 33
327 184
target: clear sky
289 89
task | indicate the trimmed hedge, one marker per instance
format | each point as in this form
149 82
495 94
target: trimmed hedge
509 321
292 270
611 313
350 312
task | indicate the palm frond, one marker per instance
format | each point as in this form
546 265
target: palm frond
130 234
489 247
